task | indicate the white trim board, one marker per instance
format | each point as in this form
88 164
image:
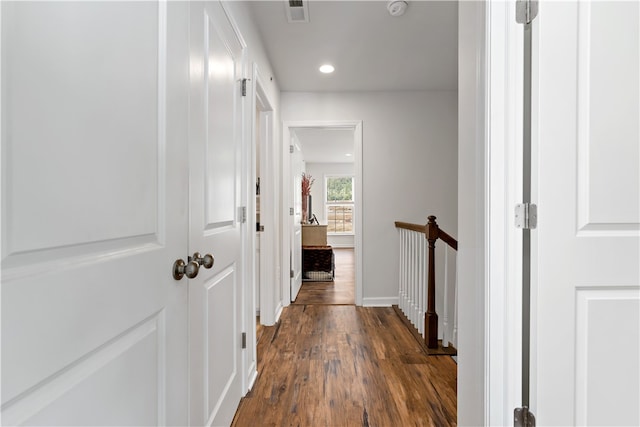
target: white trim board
379 301
503 314
341 246
268 238
473 192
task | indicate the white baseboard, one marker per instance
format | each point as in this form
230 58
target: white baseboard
342 246
253 375
278 312
379 301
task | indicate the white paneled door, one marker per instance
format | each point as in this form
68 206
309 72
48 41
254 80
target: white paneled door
297 168
586 250
216 67
94 213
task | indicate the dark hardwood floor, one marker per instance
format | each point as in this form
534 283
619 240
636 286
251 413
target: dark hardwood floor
340 291
342 365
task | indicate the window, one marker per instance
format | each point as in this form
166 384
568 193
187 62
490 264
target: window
339 204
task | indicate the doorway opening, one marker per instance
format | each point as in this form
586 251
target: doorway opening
330 152
328 276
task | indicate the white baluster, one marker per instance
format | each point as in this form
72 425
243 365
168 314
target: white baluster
416 284
403 261
454 335
445 311
405 272
419 320
423 283
399 267
410 283
420 314
407 265
416 306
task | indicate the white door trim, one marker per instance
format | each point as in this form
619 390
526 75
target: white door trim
504 241
268 205
262 133
356 126
490 262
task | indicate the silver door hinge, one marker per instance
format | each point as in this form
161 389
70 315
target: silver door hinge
242 214
244 86
290 211
291 274
244 340
523 418
526 11
291 149
526 216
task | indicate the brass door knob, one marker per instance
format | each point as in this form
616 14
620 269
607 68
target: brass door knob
180 269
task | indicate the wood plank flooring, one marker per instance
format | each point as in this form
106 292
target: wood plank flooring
325 365
340 291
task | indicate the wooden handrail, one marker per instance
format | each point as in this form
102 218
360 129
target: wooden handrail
447 239
412 227
442 235
432 233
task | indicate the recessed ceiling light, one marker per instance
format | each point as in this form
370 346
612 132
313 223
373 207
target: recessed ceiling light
348 154
327 68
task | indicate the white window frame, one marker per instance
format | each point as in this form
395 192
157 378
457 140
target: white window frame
351 204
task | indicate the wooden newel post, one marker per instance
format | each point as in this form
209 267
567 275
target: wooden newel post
431 318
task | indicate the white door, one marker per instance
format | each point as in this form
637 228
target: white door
297 168
94 213
586 250
215 172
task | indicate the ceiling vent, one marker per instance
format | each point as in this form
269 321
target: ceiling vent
297 11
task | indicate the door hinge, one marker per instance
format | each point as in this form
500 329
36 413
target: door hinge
526 216
291 149
290 211
242 214
526 11
522 417
244 340
291 274
244 86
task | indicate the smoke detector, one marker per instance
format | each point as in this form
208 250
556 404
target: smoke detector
397 7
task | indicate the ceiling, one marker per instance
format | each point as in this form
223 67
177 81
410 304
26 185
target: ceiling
370 49
325 145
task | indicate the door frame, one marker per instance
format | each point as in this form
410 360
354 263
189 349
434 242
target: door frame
490 184
503 315
285 191
262 131
262 134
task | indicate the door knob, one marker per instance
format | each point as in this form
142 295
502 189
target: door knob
181 269
206 261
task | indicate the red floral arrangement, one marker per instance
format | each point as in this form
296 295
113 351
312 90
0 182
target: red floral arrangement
307 182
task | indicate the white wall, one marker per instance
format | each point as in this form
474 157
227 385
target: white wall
471 214
319 171
409 168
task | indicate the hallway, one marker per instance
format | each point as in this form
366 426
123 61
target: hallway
339 292
325 365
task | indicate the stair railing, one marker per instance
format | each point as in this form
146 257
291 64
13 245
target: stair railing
417 288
